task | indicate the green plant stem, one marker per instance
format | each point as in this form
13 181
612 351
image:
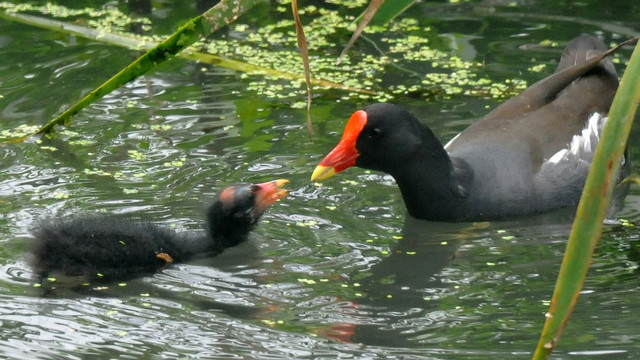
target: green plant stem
225 12
304 54
594 203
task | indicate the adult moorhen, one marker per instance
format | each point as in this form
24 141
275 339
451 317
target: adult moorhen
529 155
107 248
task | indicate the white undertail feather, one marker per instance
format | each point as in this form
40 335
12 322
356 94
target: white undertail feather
583 145
450 141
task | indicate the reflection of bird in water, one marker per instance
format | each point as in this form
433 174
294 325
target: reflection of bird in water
426 267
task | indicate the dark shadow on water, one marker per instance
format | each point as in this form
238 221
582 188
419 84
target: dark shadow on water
412 279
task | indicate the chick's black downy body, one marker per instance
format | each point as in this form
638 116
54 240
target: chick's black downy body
107 247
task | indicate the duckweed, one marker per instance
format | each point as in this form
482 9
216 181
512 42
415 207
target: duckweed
404 44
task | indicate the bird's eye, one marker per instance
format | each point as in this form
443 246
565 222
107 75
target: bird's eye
255 188
375 133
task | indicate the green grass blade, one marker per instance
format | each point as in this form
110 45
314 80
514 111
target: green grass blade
138 43
390 10
304 54
142 43
368 14
203 25
593 206
379 12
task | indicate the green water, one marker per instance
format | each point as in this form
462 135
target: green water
335 270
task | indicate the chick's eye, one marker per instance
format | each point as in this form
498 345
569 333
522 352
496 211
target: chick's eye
245 200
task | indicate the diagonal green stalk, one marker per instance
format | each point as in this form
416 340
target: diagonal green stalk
139 43
304 54
371 10
378 12
224 13
593 206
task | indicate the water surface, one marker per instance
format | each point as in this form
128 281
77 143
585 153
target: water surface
334 270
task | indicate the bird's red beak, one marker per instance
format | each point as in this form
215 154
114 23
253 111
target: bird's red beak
269 192
344 155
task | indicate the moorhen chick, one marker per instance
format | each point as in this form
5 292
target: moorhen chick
108 248
529 155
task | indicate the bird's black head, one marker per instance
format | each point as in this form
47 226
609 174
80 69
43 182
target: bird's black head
390 136
379 137
237 209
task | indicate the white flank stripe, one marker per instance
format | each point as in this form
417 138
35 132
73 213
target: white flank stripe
583 145
451 141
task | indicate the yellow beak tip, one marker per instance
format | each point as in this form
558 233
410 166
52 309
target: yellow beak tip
322 173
